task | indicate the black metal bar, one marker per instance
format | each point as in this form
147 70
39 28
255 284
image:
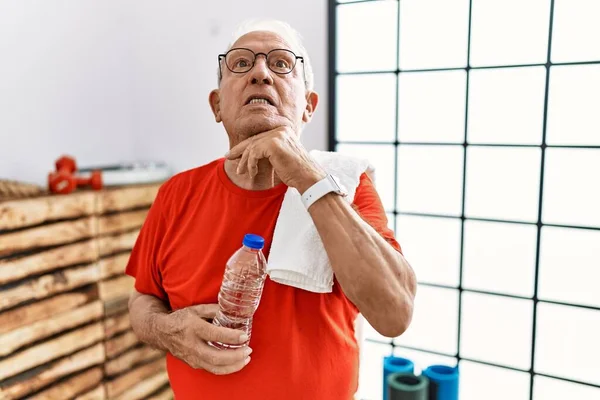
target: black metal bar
389 143
504 221
527 371
436 285
437 353
540 206
376 341
560 303
416 71
332 142
331 74
391 71
499 294
491 364
549 63
553 146
591 228
396 116
569 380
510 296
416 214
356 2
464 190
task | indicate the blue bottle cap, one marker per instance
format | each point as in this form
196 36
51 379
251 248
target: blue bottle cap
253 241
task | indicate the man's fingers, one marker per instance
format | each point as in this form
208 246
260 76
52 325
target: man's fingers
213 333
259 151
209 332
253 163
243 161
207 311
239 149
229 369
225 357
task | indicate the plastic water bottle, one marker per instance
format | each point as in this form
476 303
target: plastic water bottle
241 288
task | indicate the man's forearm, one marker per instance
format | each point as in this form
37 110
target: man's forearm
374 276
147 315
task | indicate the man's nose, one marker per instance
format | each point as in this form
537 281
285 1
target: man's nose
260 73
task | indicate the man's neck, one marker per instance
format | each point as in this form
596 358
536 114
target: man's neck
265 179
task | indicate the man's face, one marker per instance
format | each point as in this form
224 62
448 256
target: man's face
288 102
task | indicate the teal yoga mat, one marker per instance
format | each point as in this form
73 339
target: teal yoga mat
407 386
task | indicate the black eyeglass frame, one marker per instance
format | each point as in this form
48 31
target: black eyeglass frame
224 56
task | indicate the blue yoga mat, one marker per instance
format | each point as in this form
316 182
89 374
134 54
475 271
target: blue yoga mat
443 382
392 365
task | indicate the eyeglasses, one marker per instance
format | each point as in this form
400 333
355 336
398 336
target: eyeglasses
240 61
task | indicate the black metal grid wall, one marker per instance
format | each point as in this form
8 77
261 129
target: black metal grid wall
335 141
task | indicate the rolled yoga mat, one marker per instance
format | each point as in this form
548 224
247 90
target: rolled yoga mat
392 365
407 386
443 382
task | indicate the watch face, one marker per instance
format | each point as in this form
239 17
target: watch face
338 185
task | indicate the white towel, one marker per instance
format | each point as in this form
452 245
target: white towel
297 256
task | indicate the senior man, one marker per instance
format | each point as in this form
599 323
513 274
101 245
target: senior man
303 343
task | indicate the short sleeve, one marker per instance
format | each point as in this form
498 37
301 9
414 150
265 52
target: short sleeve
143 264
368 205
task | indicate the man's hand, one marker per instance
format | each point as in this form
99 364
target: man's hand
290 160
190 332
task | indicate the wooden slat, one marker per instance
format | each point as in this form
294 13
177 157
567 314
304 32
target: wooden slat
165 394
31 313
47 285
21 213
113 265
50 350
121 384
72 386
119 344
120 286
121 222
22 267
113 244
145 388
48 235
130 358
116 324
52 372
98 393
127 198
116 306
16 339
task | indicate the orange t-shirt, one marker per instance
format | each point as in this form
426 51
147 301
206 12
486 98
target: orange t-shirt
303 343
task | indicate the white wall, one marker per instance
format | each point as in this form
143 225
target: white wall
119 80
176 46
64 85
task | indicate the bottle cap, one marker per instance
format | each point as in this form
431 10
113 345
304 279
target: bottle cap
253 241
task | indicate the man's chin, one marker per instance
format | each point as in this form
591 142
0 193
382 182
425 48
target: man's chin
255 125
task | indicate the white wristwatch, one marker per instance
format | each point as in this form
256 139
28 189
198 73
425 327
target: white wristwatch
320 189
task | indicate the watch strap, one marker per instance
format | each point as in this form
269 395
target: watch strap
320 189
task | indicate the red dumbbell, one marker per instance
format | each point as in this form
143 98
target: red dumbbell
94 181
67 164
64 181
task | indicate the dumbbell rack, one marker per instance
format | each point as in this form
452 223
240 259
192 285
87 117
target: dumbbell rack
64 326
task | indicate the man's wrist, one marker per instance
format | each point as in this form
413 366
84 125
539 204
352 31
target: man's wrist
162 326
309 182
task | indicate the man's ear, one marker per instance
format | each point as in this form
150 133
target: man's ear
214 99
312 99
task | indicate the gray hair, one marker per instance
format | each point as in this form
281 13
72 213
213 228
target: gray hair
287 33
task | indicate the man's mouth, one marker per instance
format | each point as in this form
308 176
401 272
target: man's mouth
259 100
